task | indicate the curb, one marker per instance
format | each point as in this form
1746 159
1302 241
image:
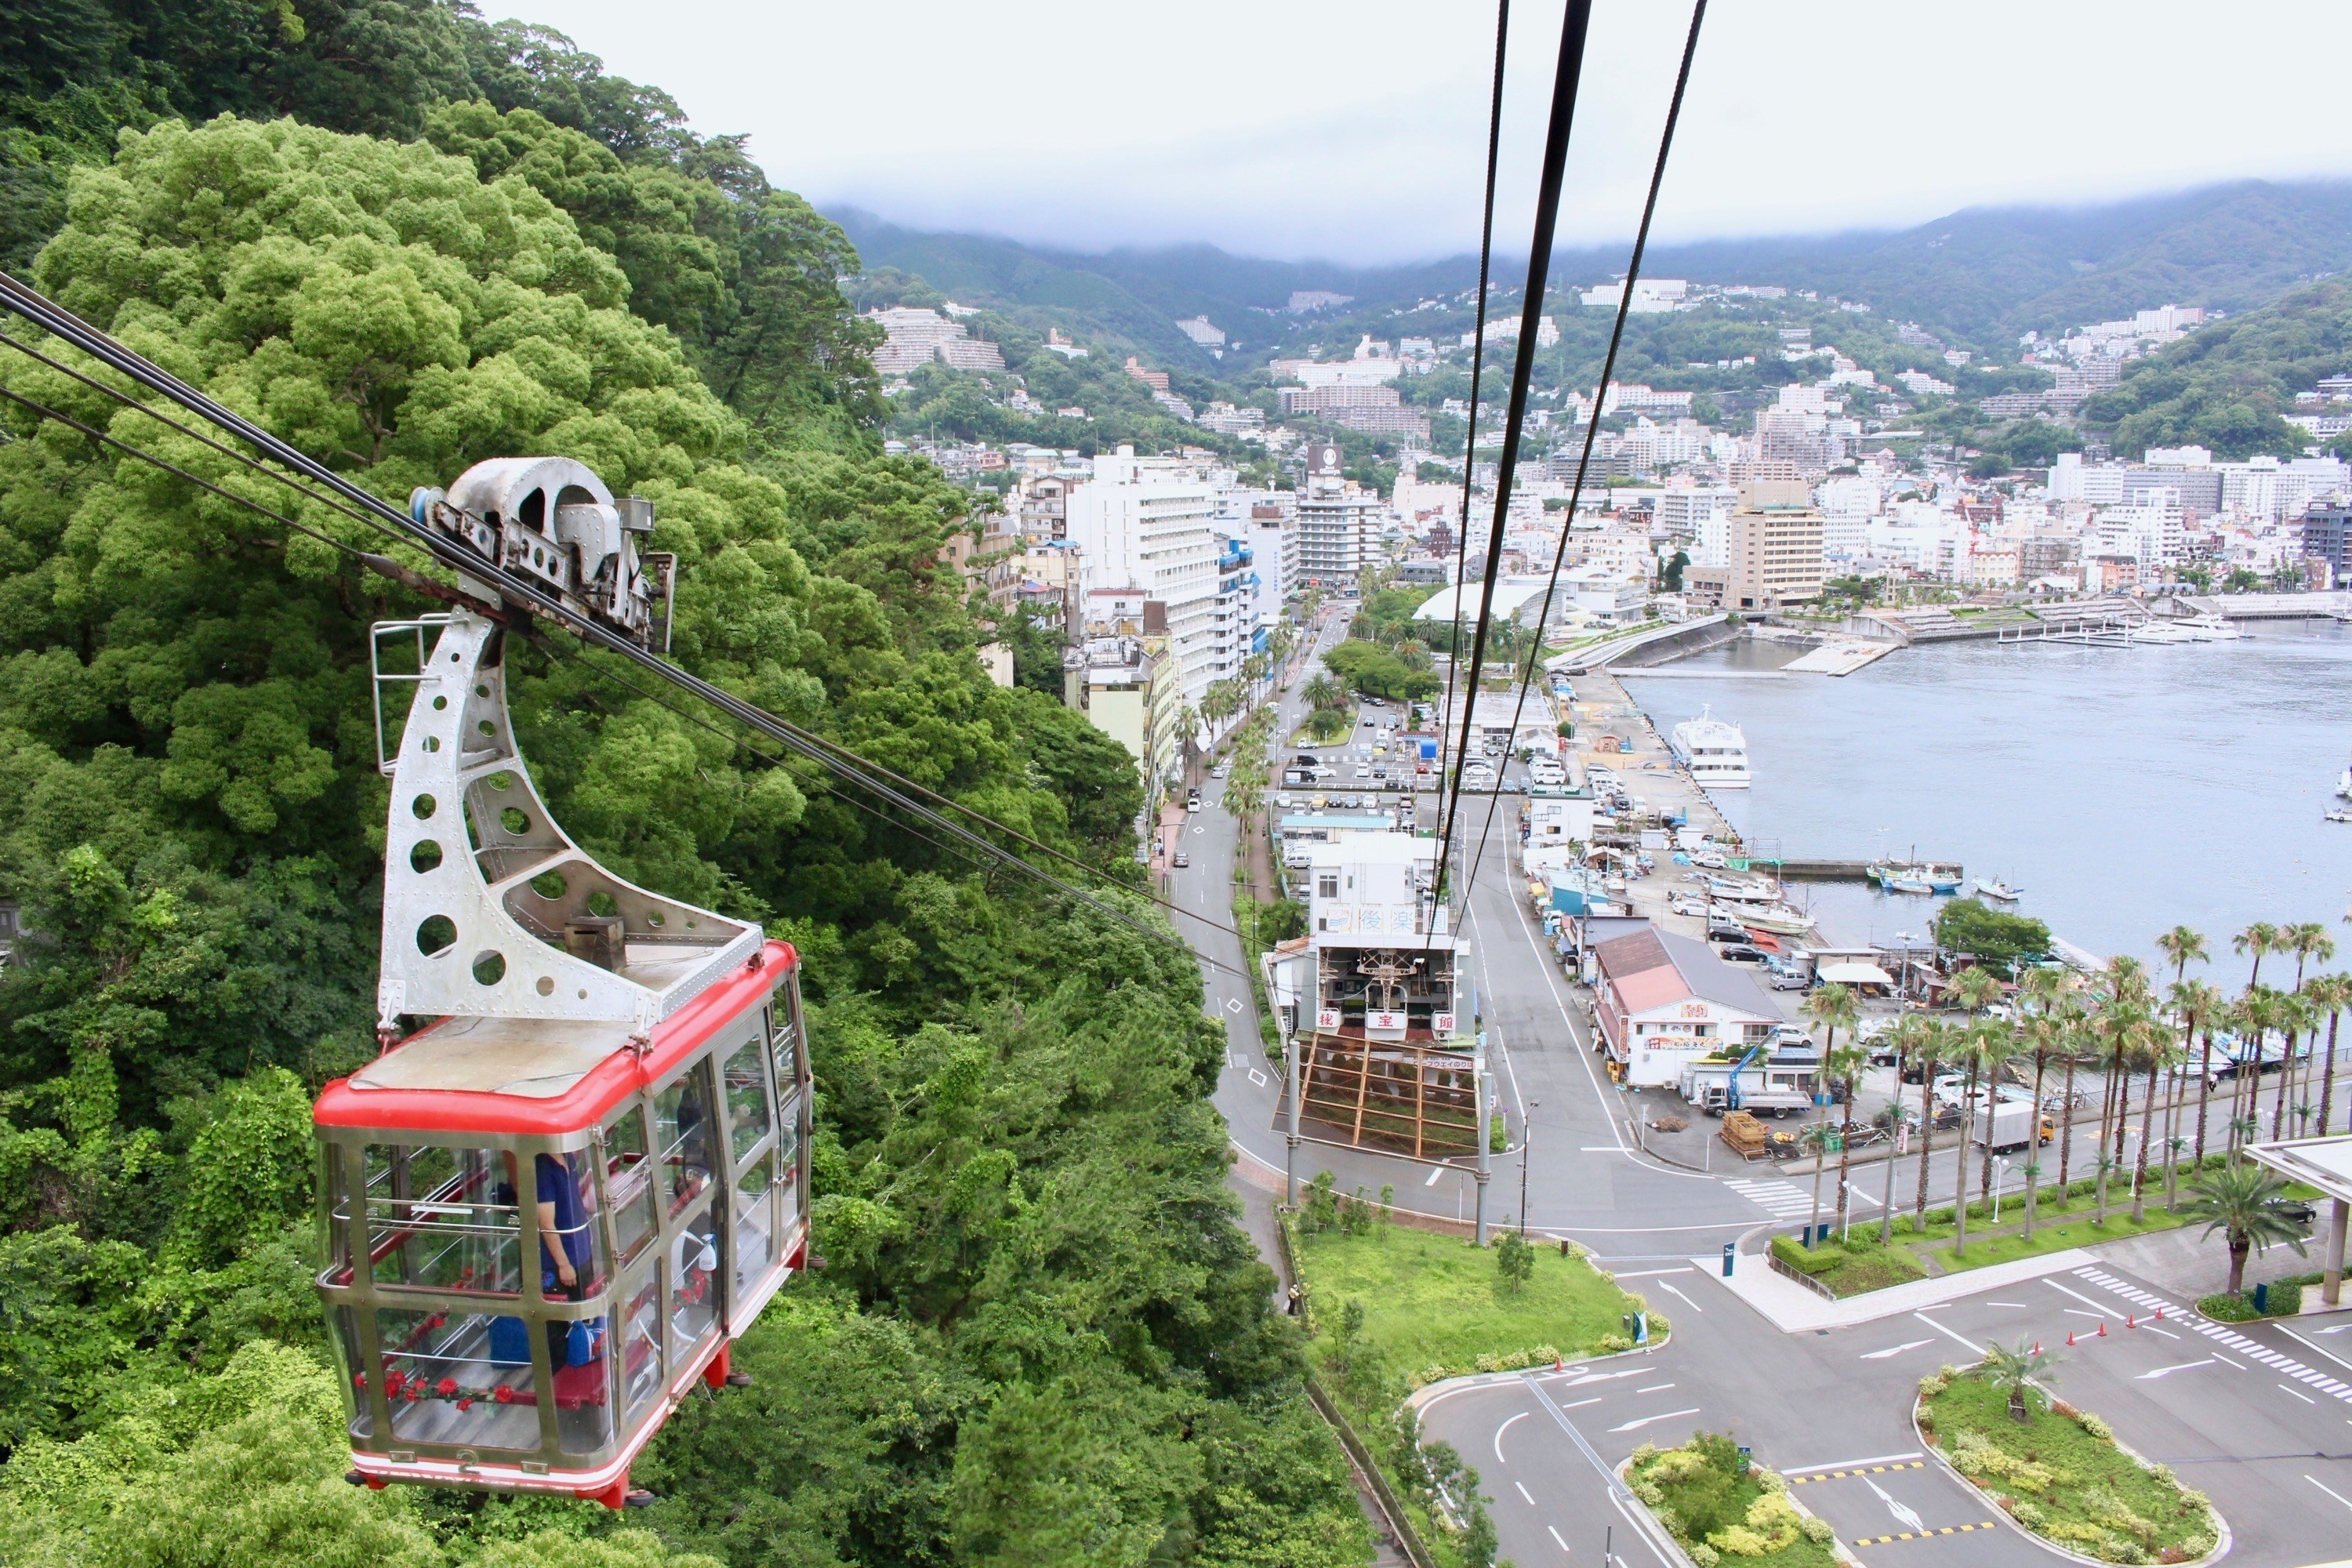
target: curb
2222 1539
1838 1548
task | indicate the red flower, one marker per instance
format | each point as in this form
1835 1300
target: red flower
391 1380
414 1389
359 1380
446 1387
505 1395
466 1404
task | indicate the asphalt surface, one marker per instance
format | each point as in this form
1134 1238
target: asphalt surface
2241 1413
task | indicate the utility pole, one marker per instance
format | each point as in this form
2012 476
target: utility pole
1526 1143
1290 1134
1478 1084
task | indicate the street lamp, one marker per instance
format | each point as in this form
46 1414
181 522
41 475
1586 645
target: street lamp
2000 1179
1526 1141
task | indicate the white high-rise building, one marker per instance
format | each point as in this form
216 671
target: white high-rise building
1339 526
1144 523
1704 517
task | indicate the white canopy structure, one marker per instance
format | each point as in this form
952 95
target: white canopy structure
1852 972
2325 1164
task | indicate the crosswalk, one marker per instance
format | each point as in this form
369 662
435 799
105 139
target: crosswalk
1786 1200
2221 1334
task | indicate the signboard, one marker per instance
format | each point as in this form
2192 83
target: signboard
1694 1010
1384 1020
1443 1023
1327 1018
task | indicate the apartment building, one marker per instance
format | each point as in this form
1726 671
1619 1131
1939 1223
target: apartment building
1776 547
1145 524
1339 524
916 337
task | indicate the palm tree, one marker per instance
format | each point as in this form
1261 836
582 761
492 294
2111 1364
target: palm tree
2258 1012
2015 1371
1909 1038
1996 1048
2332 992
1325 693
2161 1050
2074 1018
1976 1044
1935 1047
2117 1029
1833 1006
2040 1032
2307 940
2258 938
2246 1202
2197 1002
2296 1016
2184 947
1844 1066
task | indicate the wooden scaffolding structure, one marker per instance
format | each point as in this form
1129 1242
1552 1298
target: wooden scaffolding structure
1403 1097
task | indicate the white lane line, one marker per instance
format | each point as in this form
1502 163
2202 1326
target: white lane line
1685 1301
2103 1311
2017 1304
2078 1312
1580 1404
2331 1491
1655 1388
1434 1172
1948 1333
1850 1463
2299 1395
2152 1329
1524 1492
1580 1379
2322 1350
1498 1436
1895 1350
1652 1273
2225 1361
2181 1366
1646 1420
1555 1535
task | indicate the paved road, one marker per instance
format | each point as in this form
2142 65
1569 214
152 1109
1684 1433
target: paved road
2250 1422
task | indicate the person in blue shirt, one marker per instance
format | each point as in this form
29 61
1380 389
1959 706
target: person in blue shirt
562 1216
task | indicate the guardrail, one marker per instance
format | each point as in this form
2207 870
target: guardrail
1799 1276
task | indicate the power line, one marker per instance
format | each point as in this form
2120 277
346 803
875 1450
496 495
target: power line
1600 395
1567 74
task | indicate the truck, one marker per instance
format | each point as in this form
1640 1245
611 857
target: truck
2009 1124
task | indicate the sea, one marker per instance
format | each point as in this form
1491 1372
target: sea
2125 790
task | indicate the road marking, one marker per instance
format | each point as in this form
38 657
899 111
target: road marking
1895 1350
1652 1273
2152 1329
2183 1366
1655 1388
2225 1361
1499 1437
1580 1404
1525 1493
2323 1349
1685 1301
1905 1515
2101 1310
1778 1197
1232 1004
1844 1465
1923 1535
2305 1398
2078 1312
1434 1172
1645 1421
2017 1304
1555 1535
1258 1078
2331 1491
1948 1333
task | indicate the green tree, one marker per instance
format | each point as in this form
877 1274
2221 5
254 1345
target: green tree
1993 938
2247 1204
2013 1369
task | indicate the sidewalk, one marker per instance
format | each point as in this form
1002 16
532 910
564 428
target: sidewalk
1794 1310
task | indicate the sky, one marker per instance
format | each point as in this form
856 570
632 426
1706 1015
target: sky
1356 133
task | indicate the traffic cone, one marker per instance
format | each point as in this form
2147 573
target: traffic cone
2037 1347
2160 1314
2130 1321
2069 1336
2103 1328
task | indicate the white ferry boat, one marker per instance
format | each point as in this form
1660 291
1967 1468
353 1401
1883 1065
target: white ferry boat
1715 752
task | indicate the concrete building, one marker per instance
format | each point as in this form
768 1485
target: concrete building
1339 524
1127 686
1662 1001
913 338
2327 536
1384 959
1143 524
1777 547
1701 515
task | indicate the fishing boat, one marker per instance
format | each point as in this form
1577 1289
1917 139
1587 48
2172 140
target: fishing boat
1777 918
1909 882
2337 814
1943 878
1715 752
1742 890
2000 891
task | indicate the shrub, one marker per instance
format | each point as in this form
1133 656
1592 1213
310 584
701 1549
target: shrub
1817 1529
1610 1343
2284 1297
1702 1555
1738 1541
1651 1493
2096 1428
1804 1261
2226 1309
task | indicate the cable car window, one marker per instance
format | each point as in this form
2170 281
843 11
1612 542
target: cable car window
787 1049
443 1219
459 1377
339 1213
571 1250
343 1324
629 1181
641 1351
788 1156
747 1113
694 1280
755 1222
682 1126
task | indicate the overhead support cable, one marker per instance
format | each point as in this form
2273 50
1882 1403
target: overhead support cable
1600 395
515 592
1568 73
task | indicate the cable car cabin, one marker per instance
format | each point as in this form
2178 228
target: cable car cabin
578 1169
540 1239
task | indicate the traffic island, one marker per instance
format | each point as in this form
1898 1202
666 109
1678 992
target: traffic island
2061 1475
1721 1507
1392 1310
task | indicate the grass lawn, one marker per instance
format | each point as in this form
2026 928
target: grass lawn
2079 1228
1718 1511
1430 1301
2060 1475
2058 1224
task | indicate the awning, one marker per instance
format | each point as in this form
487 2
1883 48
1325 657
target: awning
1852 973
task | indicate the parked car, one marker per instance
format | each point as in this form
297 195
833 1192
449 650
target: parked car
1306 758
1221 770
1182 860
1740 952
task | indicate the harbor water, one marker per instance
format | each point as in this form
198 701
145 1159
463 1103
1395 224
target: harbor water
2125 790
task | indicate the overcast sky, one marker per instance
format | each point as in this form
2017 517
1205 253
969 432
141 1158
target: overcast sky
1356 132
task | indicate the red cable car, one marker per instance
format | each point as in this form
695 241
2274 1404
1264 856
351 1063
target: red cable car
549 1212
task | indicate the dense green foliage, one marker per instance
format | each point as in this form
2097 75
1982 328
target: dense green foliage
2225 387
1042 1338
1377 671
1994 938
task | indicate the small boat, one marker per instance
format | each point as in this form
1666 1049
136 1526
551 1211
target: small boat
2000 891
1777 918
2338 814
1909 882
1943 881
2344 785
1743 890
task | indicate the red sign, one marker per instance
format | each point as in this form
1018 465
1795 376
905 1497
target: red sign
1328 1019
1443 1023
1384 1020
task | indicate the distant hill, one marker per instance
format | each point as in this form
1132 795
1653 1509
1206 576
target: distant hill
1977 276
2227 386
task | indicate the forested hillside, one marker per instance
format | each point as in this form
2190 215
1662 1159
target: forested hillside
2226 385
1041 1338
